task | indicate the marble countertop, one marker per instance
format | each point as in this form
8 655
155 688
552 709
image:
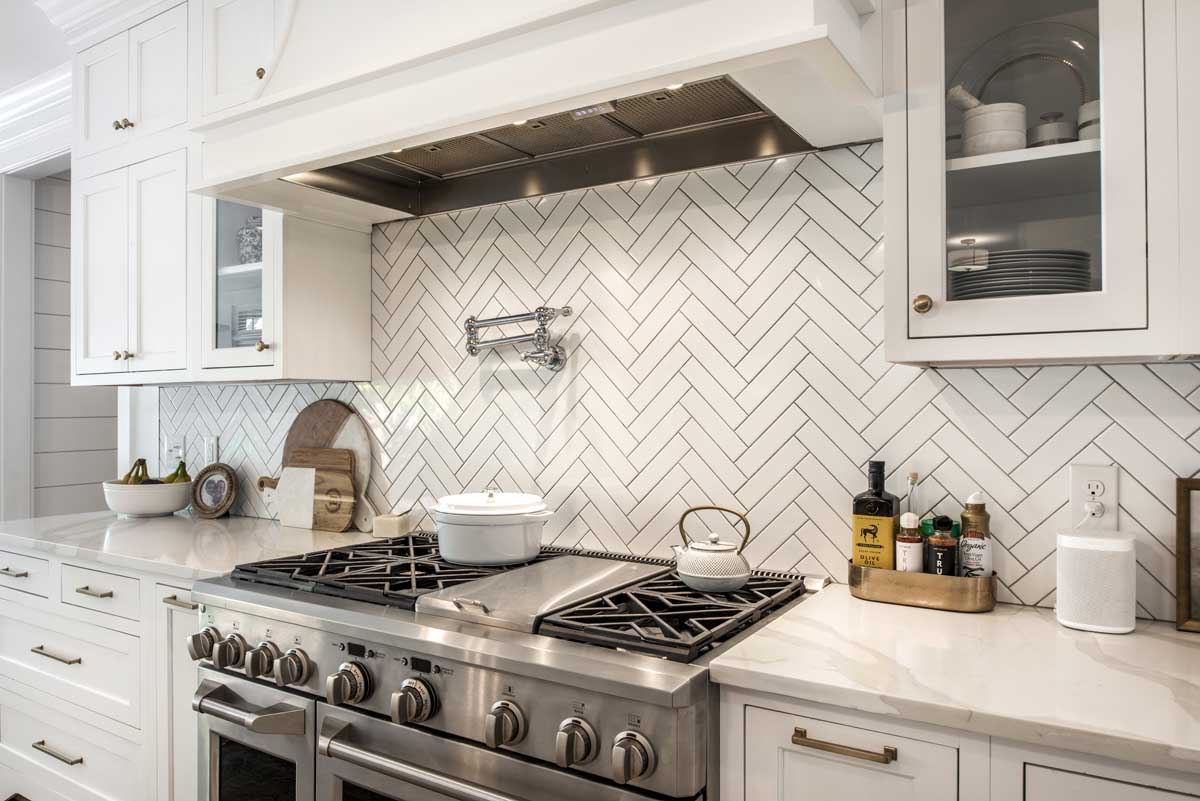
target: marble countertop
1012 673
179 546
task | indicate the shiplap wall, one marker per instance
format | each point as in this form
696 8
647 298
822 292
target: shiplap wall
74 428
726 348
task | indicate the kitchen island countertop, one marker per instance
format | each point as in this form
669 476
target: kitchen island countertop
179 546
1013 673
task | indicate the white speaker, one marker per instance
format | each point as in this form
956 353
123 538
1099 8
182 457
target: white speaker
1097 576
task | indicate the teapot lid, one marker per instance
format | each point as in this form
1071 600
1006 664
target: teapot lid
714 545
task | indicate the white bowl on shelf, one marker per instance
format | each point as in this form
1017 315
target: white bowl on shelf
993 128
147 500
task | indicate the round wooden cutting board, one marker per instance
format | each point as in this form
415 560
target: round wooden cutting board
333 424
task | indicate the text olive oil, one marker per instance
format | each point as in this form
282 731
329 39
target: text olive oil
875 519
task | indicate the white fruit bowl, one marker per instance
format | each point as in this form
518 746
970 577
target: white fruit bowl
147 500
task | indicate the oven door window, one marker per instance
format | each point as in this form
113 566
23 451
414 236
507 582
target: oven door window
247 774
352 792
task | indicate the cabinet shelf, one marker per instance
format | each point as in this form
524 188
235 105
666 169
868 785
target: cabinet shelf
1070 168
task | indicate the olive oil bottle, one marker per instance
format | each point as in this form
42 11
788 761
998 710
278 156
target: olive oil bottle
876 515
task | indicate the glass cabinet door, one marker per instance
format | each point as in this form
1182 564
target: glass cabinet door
239 276
1035 135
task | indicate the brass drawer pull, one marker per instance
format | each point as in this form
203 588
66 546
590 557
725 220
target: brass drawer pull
173 600
8 571
40 745
89 592
40 650
890 754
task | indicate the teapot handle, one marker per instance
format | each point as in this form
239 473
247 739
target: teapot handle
740 516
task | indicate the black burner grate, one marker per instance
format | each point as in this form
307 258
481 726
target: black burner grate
663 616
392 572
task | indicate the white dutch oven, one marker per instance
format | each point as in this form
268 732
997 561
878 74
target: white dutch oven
490 527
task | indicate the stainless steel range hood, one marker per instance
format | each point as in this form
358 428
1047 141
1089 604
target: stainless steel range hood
684 127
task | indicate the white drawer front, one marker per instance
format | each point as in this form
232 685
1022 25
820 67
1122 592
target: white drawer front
91 666
104 592
25 573
74 755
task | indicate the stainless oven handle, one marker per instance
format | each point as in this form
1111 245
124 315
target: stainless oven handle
329 745
274 719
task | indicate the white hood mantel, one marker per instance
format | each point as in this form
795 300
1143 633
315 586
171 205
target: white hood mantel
361 77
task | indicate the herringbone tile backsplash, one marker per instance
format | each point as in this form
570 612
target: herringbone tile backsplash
725 349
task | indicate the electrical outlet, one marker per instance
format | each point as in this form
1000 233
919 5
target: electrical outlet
1094 483
173 449
212 449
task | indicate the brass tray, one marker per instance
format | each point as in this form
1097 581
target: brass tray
949 593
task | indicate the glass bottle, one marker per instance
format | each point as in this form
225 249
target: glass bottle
874 522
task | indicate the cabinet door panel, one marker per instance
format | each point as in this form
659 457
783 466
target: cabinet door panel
777 769
158 263
241 265
99 276
101 86
1048 784
239 39
158 72
178 744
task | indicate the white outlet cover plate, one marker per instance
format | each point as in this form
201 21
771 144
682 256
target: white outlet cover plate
1106 474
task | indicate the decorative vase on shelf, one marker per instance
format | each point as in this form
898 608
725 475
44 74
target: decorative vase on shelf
249 240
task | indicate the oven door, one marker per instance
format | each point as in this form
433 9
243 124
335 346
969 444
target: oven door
256 742
362 758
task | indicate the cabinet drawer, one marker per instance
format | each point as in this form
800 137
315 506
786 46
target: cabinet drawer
77 753
1048 784
25 573
93 667
104 592
793 757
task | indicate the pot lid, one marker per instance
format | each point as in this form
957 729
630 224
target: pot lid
714 545
490 502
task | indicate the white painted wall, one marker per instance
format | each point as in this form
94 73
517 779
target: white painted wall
29 44
74 428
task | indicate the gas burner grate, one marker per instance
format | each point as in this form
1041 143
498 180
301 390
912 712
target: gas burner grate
392 572
663 616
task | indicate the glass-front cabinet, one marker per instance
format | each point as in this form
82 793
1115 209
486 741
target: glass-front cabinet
1016 150
240 273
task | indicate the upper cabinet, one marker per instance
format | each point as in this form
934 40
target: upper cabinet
1031 193
240 40
133 84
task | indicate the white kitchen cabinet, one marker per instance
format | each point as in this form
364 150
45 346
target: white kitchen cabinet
793 757
1025 773
282 297
176 681
239 43
1066 251
133 84
129 268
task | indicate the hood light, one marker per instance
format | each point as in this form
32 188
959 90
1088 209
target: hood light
672 87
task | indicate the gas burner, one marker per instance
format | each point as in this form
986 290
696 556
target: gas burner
392 572
663 616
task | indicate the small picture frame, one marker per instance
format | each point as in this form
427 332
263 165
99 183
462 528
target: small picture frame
1187 558
214 490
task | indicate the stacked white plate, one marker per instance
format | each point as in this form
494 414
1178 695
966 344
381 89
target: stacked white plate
1009 273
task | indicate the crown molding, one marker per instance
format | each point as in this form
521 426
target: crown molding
88 20
35 119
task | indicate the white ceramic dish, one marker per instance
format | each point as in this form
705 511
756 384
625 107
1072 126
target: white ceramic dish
147 500
993 128
490 528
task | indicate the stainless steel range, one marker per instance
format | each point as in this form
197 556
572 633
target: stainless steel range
381 672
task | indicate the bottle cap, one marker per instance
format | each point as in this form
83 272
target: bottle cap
914 477
927 527
943 523
956 529
976 499
875 467
909 520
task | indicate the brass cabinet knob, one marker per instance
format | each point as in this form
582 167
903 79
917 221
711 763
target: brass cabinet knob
261 73
125 123
260 346
116 355
126 355
922 304
116 125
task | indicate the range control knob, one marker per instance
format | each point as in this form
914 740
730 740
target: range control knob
575 744
632 757
293 668
200 644
260 660
504 725
229 652
350 685
416 702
